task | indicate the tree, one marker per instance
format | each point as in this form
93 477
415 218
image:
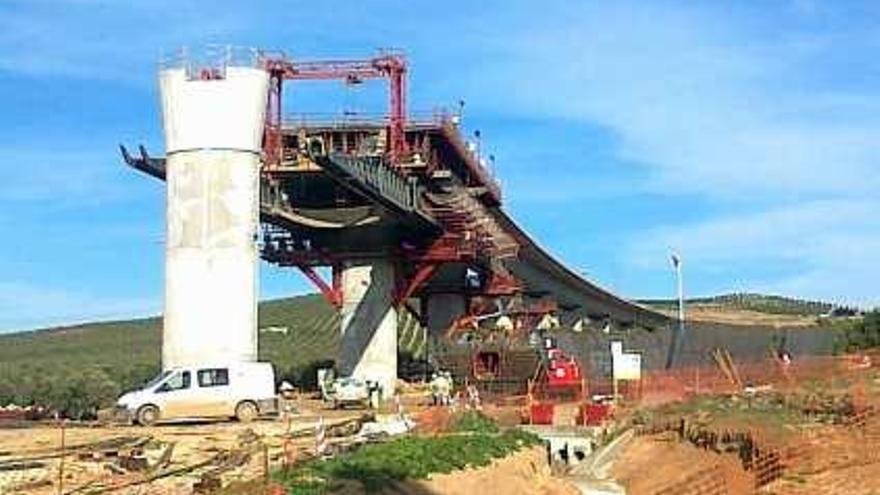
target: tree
861 334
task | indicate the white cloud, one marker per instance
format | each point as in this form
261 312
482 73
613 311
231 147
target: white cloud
822 249
698 98
771 122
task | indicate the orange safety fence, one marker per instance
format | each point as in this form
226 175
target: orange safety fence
847 439
725 377
657 387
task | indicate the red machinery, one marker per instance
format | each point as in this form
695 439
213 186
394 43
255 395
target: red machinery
562 370
558 379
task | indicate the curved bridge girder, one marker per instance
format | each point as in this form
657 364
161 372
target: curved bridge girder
542 272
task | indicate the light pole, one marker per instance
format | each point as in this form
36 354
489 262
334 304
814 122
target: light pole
678 335
478 137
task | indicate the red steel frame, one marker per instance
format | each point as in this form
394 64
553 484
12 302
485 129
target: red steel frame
391 67
333 291
405 288
445 249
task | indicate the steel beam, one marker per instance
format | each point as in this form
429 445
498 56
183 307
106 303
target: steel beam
332 292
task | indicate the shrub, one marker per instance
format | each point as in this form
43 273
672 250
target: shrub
475 422
859 334
380 465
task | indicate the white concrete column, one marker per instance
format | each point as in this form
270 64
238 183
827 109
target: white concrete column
442 309
369 323
213 131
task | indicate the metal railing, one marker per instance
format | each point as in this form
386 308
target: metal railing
341 120
437 118
211 61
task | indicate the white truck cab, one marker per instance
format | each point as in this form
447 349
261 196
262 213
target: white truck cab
240 390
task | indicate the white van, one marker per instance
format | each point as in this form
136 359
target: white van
240 390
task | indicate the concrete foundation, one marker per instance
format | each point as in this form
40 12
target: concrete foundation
442 310
369 323
567 444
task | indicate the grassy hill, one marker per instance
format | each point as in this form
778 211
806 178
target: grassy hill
79 367
761 303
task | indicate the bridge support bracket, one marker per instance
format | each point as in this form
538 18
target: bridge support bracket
407 287
332 291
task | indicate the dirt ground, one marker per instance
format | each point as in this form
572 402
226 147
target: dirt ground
670 462
37 445
816 437
855 480
524 473
835 460
203 451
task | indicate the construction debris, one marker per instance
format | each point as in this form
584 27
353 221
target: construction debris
727 366
387 428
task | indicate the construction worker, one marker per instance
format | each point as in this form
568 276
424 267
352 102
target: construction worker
449 387
441 385
785 361
473 397
374 392
444 388
435 389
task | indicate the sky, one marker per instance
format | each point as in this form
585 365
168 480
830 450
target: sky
744 136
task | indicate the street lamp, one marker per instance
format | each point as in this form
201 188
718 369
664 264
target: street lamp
677 336
478 136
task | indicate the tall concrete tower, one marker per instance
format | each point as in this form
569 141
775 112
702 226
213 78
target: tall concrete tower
213 121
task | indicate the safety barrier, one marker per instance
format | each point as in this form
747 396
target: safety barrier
762 459
658 387
848 440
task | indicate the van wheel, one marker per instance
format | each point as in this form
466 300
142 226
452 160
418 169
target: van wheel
246 412
147 415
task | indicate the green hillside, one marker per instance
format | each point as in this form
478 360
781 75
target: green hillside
762 303
79 367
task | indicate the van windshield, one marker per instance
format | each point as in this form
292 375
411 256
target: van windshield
155 381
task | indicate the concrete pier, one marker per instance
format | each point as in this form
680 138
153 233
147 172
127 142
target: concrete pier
369 323
213 131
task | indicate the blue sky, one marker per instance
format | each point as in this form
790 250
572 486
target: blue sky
745 135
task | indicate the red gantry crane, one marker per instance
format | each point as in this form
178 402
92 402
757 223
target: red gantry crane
390 66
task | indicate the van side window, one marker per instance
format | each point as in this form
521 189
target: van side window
215 377
179 381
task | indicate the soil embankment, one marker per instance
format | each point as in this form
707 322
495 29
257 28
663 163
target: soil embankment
672 463
524 473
